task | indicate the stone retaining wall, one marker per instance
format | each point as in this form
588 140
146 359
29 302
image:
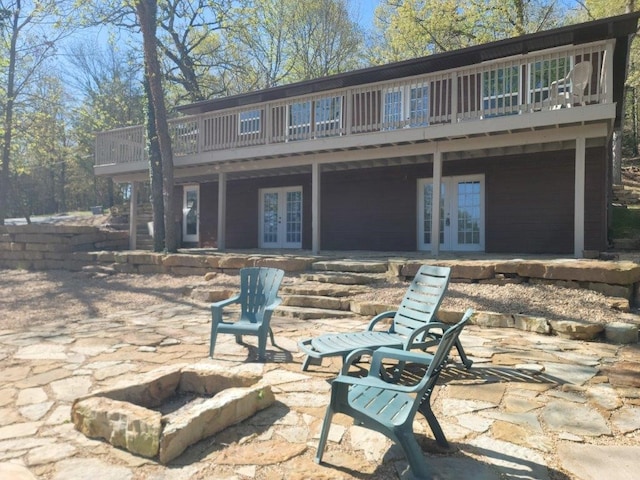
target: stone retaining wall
41 247
47 247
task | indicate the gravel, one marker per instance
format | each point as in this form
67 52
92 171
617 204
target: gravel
30 298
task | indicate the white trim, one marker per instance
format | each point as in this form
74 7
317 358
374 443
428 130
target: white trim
449 200
222 211
580 174
190 237
435 210
316 174
282 212
133 216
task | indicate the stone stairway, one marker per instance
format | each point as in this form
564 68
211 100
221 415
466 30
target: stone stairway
627 195
327 292
144 241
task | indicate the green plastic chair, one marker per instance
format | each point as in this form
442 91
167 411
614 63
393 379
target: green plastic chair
390 408
258 298
411 326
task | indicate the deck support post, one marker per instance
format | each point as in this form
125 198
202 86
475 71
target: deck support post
133 216
315 208
222 211
435 202
580 175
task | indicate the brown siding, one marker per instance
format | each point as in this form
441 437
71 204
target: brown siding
469 93
440 100
530 203
371 209
243 204
209 214
279 123
366 111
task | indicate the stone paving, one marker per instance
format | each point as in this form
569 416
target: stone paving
532 406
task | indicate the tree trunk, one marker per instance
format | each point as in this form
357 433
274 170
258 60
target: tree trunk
616 154
146 10
8 114
155 173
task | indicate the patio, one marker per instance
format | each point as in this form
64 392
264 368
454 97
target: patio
533 406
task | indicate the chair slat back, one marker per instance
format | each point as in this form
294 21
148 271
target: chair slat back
422 299
258 289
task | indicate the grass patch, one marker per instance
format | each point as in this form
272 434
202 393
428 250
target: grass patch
626 222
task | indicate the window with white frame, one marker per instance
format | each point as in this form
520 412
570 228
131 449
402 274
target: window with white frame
249 122
328 116
543 73
406 106
299 120
501 90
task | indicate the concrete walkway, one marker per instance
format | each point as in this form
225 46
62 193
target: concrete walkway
532 407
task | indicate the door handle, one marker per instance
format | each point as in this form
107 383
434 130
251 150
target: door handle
447 221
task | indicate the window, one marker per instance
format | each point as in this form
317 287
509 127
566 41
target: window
543 73
328 116
500 90
299 120
406 107
249 122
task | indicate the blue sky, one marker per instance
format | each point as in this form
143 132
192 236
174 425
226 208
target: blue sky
362 11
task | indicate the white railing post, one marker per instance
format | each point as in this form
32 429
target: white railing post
453 116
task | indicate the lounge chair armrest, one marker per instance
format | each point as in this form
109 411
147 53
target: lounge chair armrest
353 357
376 382
402 355
438 325
380 316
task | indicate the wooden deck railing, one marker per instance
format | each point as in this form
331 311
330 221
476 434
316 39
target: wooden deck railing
513 86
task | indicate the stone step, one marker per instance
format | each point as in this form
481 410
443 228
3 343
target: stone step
339 278
316 301
303 313
323 289
361 266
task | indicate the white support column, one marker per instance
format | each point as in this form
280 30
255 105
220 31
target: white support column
315 208
578 228
133 215
435 203
222 211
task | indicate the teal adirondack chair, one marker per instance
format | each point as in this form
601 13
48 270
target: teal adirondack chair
411 326
390 408
258 298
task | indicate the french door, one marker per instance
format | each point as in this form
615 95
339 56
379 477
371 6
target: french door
281 217
190 213
461 213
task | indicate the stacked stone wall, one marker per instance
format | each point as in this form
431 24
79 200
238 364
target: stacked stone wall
48 247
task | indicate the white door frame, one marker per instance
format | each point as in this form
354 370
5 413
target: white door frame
449 215
186 208
280 232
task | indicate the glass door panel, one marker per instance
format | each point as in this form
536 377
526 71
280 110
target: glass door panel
281 217
190 213
461 213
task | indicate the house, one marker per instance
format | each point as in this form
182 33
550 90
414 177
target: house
517 133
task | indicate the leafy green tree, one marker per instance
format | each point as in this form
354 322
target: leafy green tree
414 28
273 42
29 33
324 39
594 9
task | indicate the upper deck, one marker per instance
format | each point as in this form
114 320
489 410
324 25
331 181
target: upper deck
520 93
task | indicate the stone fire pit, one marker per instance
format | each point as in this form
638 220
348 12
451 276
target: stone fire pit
162 412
